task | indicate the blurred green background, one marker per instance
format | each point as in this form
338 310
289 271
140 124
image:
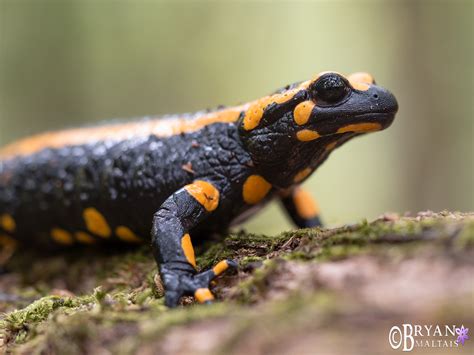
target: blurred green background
75 62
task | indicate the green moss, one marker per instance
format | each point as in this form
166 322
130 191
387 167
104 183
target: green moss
252 289
128 306
465 238
17 323
246 260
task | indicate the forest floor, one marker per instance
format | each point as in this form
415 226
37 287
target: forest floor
310 291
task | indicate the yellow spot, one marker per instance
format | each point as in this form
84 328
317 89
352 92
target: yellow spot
331 146
301 175
306 206
96 223
7 223
302 112
188 249
361 127
127 235
284 96
253 116
203 295
205 193
360 86
62 236
84 237
306 135
361 77
220 267
255 189
255 111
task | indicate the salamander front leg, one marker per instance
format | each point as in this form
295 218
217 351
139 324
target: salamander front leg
172 246
302 208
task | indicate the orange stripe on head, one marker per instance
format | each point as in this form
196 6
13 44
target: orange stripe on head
205 193
361 77
306 206
361 81
360 86
254 113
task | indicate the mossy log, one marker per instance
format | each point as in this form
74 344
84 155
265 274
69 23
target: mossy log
306 291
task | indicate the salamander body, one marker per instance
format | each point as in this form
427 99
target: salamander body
182 176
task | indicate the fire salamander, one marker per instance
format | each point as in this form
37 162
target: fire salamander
183 176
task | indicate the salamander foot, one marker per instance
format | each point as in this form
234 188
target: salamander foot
180 283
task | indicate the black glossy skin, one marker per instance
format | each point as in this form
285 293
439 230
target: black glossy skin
139 182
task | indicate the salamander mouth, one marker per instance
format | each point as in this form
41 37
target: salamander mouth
385 119
361 123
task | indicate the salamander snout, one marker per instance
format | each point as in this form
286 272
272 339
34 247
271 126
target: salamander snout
381 104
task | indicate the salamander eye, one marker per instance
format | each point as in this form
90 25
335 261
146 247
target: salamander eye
329 89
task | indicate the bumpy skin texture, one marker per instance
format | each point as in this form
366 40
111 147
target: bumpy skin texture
193 182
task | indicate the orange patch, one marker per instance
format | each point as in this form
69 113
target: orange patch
301 175
255 111
7 223
306 206
360 86
220 267
361 77
255 189
188 249
119 131
361 127
306 135
203 295
62 236
96 223
127 235
205 193
84 238
302 112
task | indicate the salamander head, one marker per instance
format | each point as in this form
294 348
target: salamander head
297 127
